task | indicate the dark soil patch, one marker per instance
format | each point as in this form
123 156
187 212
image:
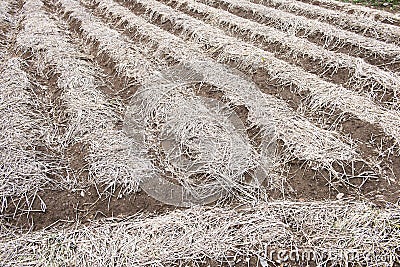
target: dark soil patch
82 206
77 154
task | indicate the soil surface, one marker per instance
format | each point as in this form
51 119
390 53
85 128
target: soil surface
83 206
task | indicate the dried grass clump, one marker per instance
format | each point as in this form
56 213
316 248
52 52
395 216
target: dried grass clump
194 137
115 162
302 139
363 74
24 169
333 36
5 17
322 94
360 24
4 9
86 105
224 235
92 117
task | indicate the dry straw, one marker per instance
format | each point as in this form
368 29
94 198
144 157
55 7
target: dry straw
128 59
107 143
362 11
5 20
191 236
24 170
224 235
303 139
237 89
29 158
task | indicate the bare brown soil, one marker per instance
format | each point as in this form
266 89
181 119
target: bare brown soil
83 206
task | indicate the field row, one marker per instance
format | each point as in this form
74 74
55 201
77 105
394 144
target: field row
23 126
322 94
93 113
360 11
331 36
340 232
92 116
360 75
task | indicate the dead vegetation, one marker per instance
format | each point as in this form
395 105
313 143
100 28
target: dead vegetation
218 97
241 236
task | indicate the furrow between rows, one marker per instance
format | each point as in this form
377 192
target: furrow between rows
324 34
359 24
321 94
362 76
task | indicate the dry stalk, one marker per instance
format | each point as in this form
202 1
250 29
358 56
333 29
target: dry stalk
303 139
362 11
92 117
